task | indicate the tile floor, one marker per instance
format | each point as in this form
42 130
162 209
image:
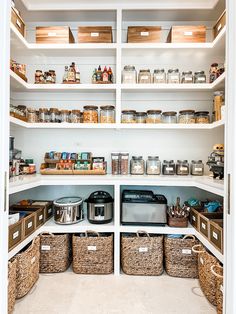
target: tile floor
67 293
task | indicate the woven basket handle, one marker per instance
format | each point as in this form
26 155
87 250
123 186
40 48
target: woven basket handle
91 231
142 232
214 272
189 236
46 232
194 249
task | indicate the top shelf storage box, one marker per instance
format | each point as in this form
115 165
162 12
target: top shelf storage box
144 34
187 34
17 21
95 34
219 25
54 35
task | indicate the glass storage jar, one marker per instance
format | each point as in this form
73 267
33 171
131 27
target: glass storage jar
90 114
159 76
107 114
31 115
153 165
202 117
140 117
153 116
173 76
115 163
75 116
182 167
186 117
58 116
187 77
168 167
137 165
128 116
124 163
65 116
199 77
42 112
197 168
169 117
129 75
52 113
144 76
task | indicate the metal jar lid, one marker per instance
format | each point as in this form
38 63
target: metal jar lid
202 113
187 73
197 161
153 157
188 111
90 107
68 201
107 107
137 157
129 111
140 114
169 113
154 112
129 68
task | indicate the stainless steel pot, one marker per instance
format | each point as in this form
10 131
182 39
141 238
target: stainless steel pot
68 210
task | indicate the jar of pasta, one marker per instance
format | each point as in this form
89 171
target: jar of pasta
153 116
107 114
90 114
186 116
128 116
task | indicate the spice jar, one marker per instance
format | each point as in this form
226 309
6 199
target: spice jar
169 117
65 116
115 163
199 77
31 115
90 114
168 167
124 163
53 75
129 75
58 116
202 117
214 72
182 167
153 116
75 116
186 116
153 165
128 116
159 76
187 77
52 113
144 77
39 79
137 165
173 76
197 168
107 114
140 117
42 112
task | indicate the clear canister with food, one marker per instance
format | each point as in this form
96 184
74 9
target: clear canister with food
140 117
42 112
128 116
65 116
129 75
202 117
187 77
186 117
137 165
124 163
144 76
159 76
182 167
75 116
169 117
153 116
153 165
90 114
168 167
107 114
173 76
52 113
58 116
39 79
197 168
31 115
199 77
115 163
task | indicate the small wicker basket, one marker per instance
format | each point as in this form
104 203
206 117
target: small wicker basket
12 265
217 271
27 268
92 253
206 278
142 255
180 260
55 252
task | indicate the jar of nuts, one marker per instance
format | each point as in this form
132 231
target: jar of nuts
186 116
90 114
107 114
202 117
128 116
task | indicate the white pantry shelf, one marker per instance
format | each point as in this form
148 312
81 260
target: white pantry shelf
22 183
117 126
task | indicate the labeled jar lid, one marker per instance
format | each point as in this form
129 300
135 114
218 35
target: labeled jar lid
188 111
107 107
169 113
154 112
90 107
201 113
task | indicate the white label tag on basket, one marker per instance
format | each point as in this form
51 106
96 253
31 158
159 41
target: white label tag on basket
45 248
188 33
15 235
94 34
18 23
40 217
144 33
33 260
51 34
143 249
194 218
187 251
30 224
92 248
203 226
201 261
215 235
221 288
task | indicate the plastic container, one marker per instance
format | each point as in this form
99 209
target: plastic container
153 165
169 117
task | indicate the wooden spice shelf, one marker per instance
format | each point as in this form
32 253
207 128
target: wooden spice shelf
71 172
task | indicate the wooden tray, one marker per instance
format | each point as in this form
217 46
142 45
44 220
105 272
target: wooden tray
72 172
177 222
21 75
19 117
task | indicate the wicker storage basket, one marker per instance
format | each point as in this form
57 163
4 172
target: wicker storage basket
206 278
142 255
92 253
55 252
180 260
27 268
12 265
217 271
